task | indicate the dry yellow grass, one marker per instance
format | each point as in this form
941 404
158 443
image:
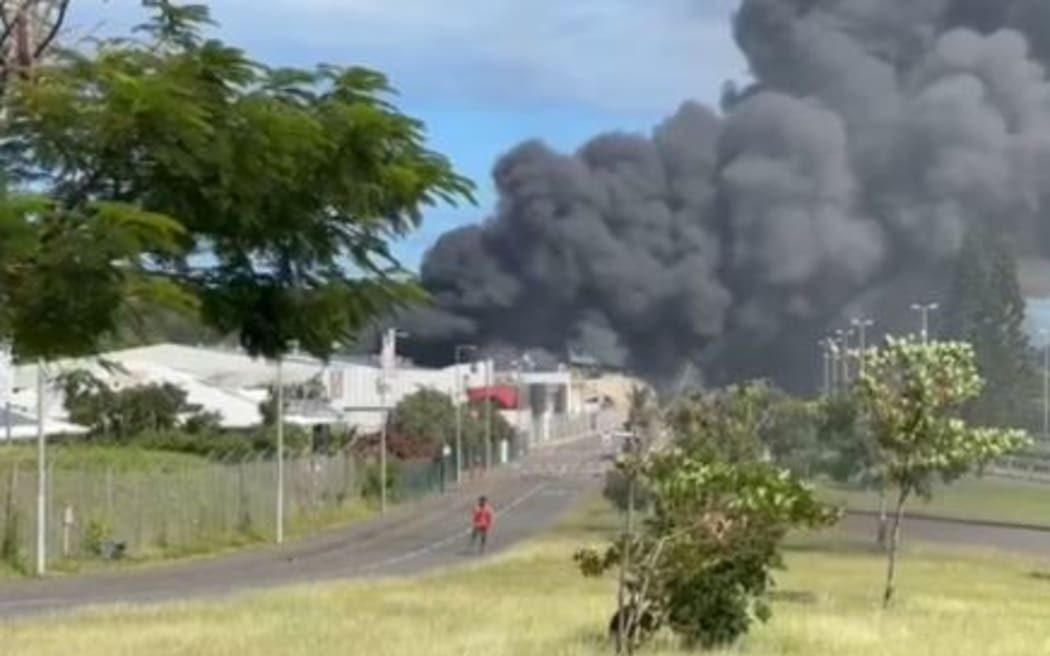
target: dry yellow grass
532 602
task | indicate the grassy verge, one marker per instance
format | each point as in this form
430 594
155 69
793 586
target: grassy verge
990 499
166 506
532 602
98 458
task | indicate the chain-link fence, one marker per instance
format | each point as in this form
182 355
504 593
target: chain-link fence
180 509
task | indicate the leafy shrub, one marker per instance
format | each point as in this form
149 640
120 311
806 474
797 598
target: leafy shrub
615 492
96 534
372 485
11 539
702 562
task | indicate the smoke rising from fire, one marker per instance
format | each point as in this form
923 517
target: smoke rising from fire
842 181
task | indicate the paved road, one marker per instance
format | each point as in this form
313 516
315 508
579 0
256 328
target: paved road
409 540
1021 540
418 538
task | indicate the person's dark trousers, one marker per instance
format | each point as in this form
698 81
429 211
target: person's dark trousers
478 538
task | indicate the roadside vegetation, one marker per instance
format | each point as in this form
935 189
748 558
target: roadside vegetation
153 477
826 603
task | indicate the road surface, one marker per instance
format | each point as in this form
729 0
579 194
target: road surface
430 534
425 536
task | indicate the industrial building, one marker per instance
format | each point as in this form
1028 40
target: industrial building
357 392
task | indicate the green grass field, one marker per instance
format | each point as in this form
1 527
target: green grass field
98 458
991 499
532 602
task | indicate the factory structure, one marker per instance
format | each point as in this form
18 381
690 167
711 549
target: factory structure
348 392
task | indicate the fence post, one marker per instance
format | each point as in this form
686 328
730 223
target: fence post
109 492
67 526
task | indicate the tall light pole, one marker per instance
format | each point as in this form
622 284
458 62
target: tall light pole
825 352
489 364
279 419
924 309
279 402
843 336
460 348
388 370
1046 382
41 473
862 326
833 351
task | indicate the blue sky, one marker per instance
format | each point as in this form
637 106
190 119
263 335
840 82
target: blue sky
487 74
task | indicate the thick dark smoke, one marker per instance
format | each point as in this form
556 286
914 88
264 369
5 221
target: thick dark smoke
841 182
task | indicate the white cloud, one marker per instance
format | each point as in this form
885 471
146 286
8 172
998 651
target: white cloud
611 55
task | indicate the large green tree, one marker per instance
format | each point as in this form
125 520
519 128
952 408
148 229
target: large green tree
271 195
985 308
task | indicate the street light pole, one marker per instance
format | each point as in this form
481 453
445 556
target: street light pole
843 336
459 411
833 349
924 310
862 326
1046 382
279 401
825 353
41 473
488 414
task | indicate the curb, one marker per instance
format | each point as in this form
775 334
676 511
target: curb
984 523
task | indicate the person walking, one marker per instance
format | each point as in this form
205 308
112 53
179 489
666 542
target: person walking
481 523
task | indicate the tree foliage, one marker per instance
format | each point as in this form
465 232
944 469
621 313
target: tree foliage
702 562
121 414
987 310
848 453
913 394
427 415
423 422
269 194
727 424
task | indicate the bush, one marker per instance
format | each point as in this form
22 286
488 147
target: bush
615 492
96 534
11 540
702 562
371 486
223 444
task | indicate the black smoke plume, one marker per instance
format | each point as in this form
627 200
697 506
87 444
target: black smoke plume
842 181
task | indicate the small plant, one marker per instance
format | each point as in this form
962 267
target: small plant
370 488
96 534
11 540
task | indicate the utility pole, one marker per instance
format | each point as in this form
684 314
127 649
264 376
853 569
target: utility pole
924 309
1046 382
843 336
488 413
862 326
279 401
461 348
388 370
41 473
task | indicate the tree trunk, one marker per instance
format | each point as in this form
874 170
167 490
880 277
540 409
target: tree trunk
880 536
895 539
623 642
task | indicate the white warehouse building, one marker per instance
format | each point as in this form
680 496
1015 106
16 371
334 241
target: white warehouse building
232 384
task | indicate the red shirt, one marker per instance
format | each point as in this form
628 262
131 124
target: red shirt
483 517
